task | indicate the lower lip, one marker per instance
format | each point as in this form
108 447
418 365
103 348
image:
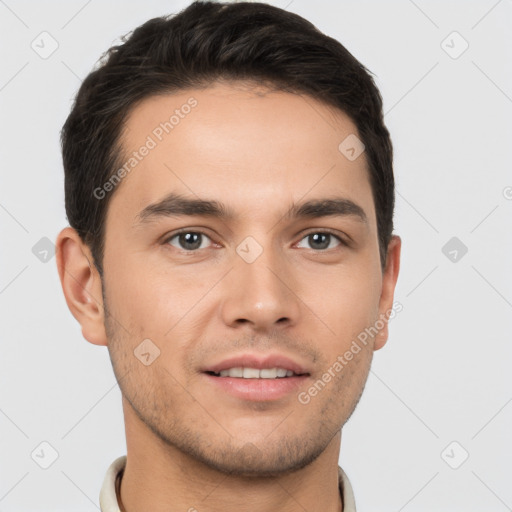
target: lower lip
259 390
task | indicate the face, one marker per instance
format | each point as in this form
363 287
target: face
246 284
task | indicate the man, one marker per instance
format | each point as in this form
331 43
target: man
230 191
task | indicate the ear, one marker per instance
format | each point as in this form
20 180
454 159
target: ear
389 279
81 285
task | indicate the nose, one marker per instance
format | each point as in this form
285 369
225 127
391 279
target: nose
260 294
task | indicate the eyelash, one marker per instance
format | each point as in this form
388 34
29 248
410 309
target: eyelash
198 231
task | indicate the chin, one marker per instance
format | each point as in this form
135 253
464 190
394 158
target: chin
249 461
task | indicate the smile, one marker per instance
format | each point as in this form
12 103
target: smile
255 373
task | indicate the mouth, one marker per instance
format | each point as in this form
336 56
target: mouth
255 373
253 378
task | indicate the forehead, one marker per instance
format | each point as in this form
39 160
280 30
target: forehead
246 146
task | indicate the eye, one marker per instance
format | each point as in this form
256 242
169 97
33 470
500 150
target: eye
321 240
188 240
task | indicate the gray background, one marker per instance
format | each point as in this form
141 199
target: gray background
444 375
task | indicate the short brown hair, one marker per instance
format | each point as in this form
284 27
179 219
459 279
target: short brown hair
205 42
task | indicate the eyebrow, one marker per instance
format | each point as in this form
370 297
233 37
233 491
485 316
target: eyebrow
176 205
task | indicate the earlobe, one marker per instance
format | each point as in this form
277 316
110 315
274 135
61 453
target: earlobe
381 338
389 279
81 285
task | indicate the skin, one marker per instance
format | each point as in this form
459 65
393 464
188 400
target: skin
189 445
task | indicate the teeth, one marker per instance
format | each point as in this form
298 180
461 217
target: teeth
255 373
232 372
268 373
251 373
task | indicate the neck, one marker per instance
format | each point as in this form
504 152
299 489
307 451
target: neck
159 477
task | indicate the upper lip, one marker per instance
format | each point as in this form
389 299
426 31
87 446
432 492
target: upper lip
258 361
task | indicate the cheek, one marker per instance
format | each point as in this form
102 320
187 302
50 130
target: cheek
162 306
348 302
145 301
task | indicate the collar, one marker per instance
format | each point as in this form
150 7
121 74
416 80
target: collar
108 496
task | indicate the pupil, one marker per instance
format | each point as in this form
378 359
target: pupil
318 236
188 242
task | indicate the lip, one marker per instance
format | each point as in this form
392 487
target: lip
257 390
259 362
